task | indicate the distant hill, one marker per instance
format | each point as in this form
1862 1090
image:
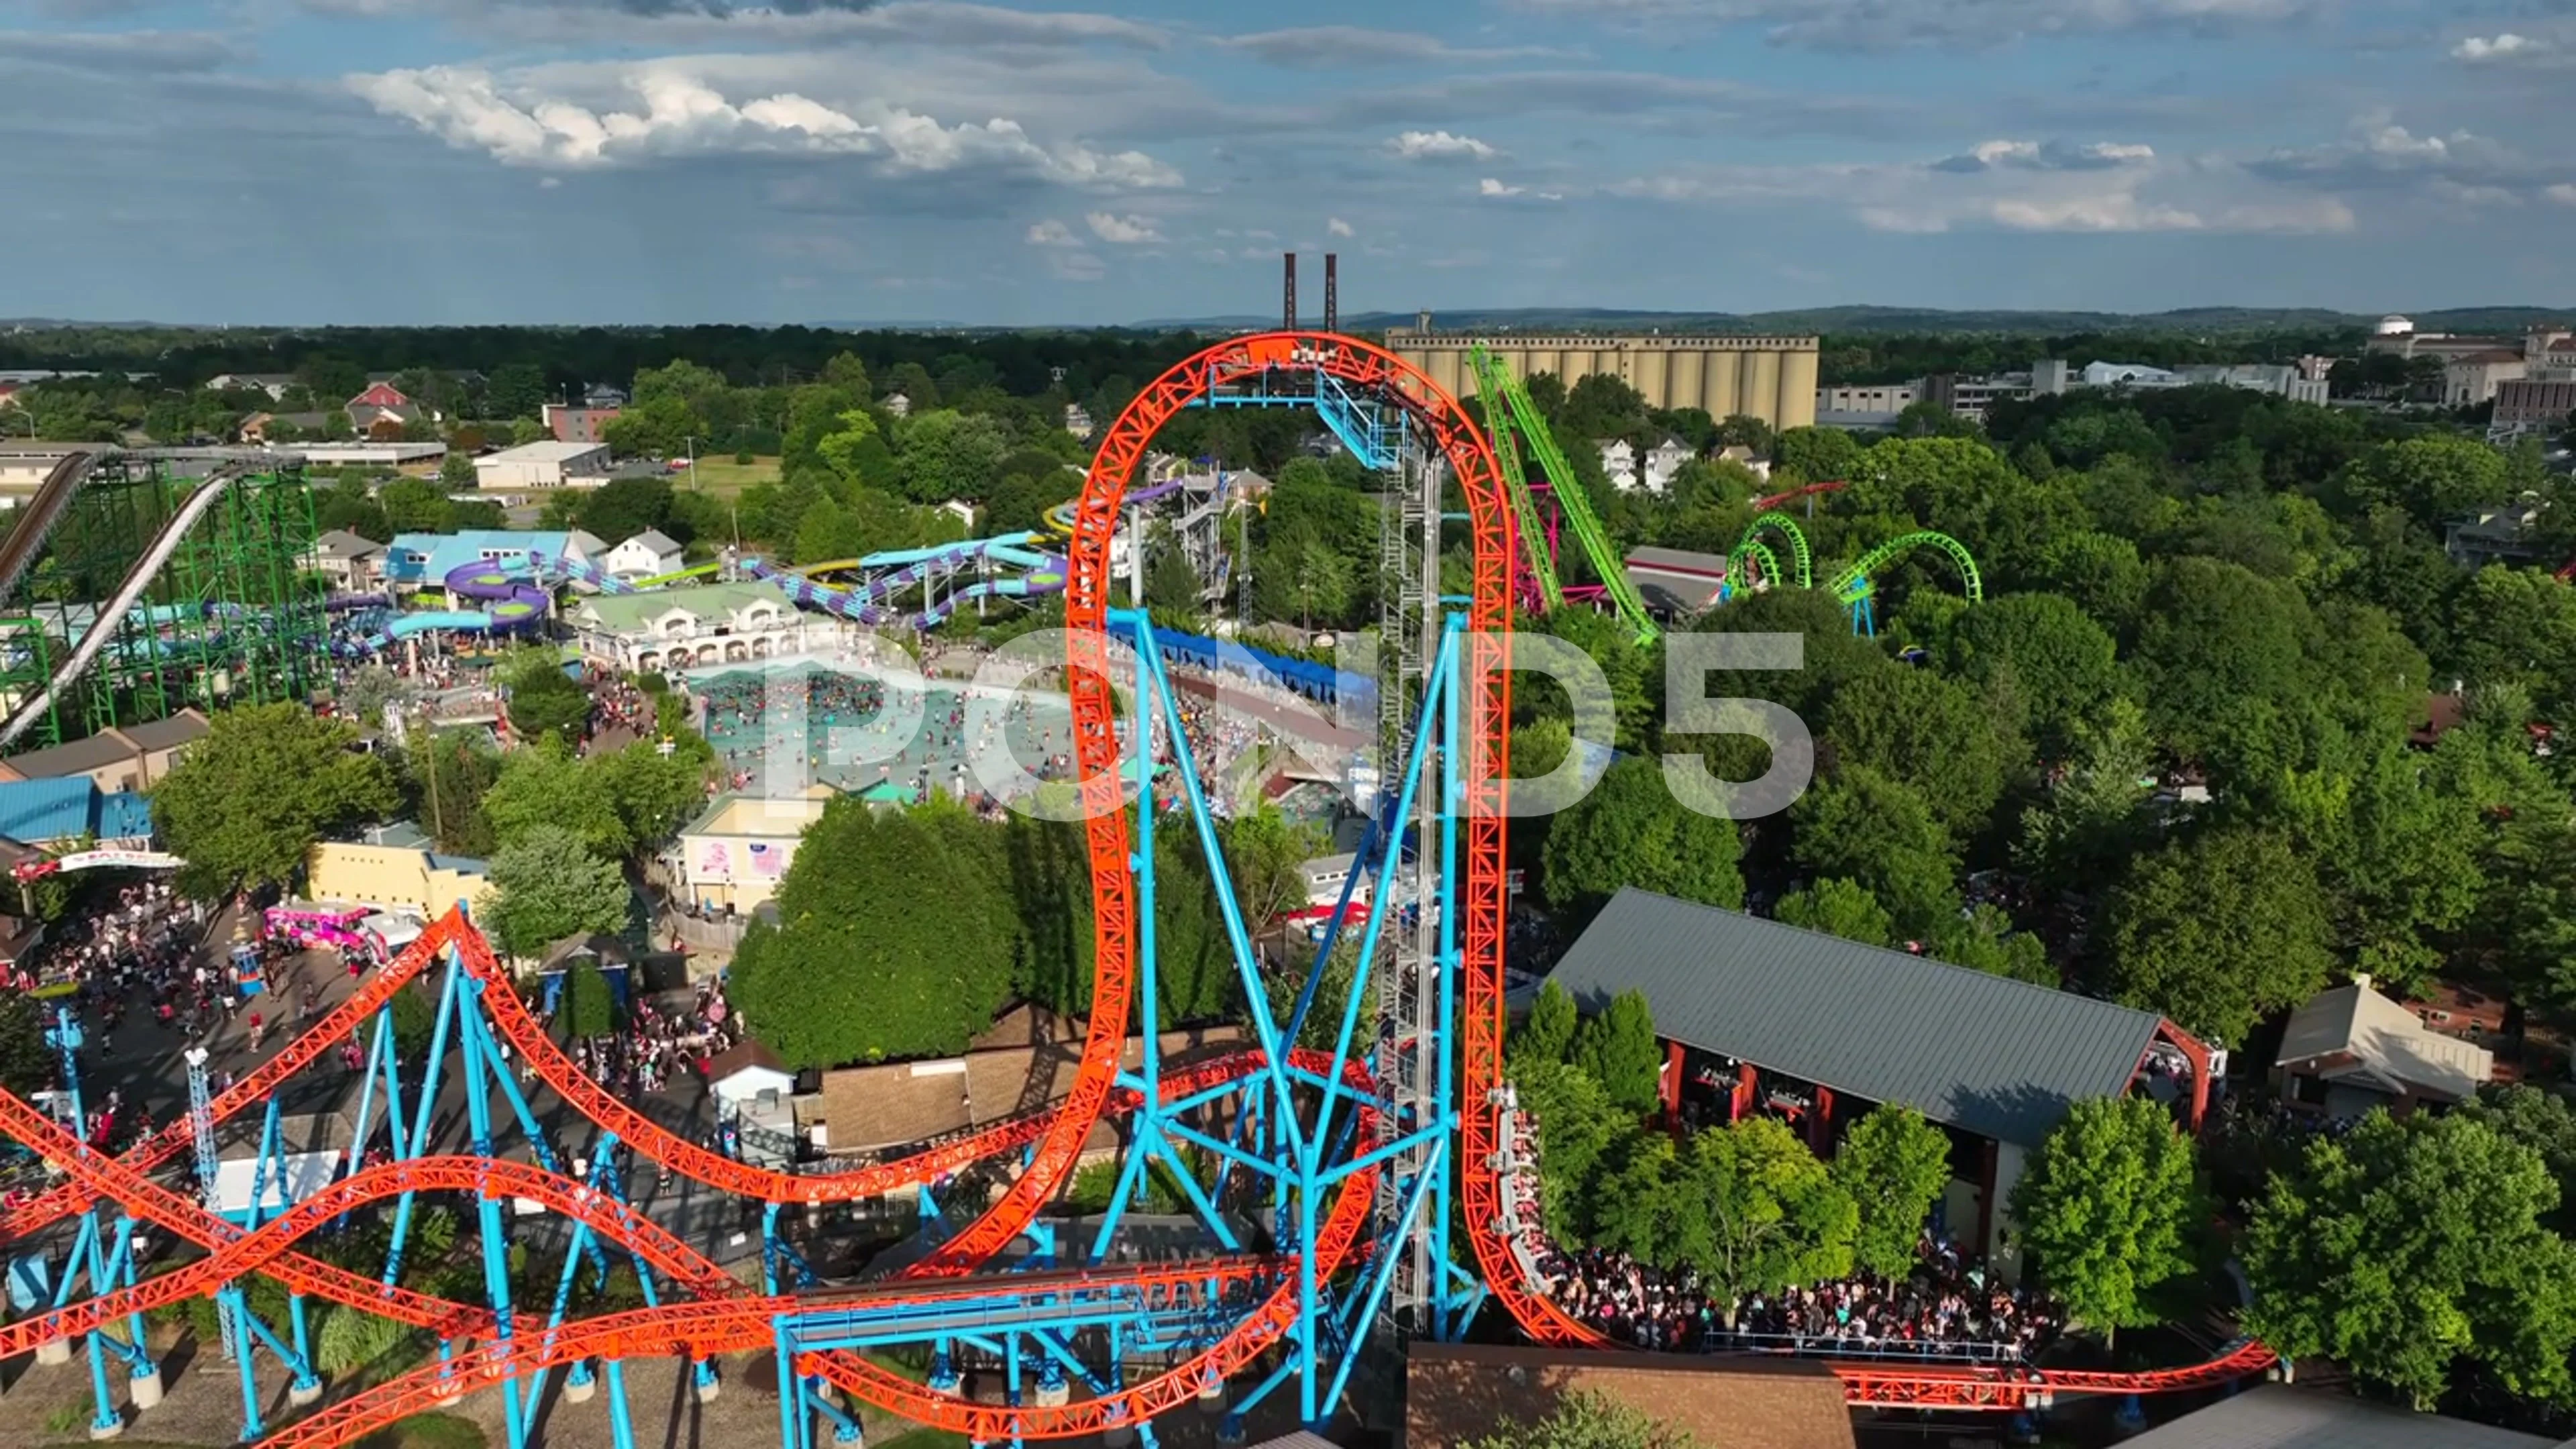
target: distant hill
1862 320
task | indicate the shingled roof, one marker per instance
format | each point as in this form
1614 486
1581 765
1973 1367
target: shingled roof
1987 1054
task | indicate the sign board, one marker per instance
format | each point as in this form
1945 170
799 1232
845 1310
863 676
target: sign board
100 859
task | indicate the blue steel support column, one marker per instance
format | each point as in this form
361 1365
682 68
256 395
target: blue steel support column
228 1301
793 1421
413 1145
66 1038
496 1246
1448 1316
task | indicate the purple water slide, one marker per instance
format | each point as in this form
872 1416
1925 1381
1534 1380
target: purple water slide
515 602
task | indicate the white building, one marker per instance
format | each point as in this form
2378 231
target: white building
733 855
351 562
704 627
1663 461
897 405
648 555
964 512
2471 380
541 465
1619 462
274 384
2280 379
1889 398
367 455
2127 374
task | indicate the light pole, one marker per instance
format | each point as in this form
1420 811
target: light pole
691 443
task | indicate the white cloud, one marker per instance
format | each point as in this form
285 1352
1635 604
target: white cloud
1438 146
1492 187
1052 233
2564 193
1335 226
2046 156
2504 46
672 113
1124 230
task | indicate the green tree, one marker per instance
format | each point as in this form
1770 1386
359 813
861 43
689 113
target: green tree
1582 1131
2216 635
1631 831
2106 1209
2062 665
1265 854
415 505
1618 1049
658 427
621 508
2217 930
1928 733
1863 827
1775 1215
544 702
1894 1164
548 787
1547 1033
654 794
1587 1421
2542 1121
864 965
2092 820
547 884
1817 455
1838 907
515 390
244 805
950 455
589 1005
1984 940
2410 1244
27 1064
447 774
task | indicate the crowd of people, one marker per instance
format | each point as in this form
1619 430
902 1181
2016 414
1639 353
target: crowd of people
136 946
1947 1307
652 1046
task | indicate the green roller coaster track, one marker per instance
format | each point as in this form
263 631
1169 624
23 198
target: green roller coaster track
1491 381
1754 552
1798 551
1856 584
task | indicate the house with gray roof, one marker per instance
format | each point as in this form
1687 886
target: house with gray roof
1761 1017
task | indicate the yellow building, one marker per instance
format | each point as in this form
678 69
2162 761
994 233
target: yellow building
1771 378
396 870
735 854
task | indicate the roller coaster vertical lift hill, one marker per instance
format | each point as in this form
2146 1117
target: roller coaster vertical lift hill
1028 1326
208 553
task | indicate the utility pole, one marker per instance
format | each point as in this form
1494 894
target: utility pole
691 443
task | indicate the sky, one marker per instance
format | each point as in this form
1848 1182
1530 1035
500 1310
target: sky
674 161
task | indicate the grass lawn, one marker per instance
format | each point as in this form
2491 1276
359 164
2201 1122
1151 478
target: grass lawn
427 1431
927 1439
721 476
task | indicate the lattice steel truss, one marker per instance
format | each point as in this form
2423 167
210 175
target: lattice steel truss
231 616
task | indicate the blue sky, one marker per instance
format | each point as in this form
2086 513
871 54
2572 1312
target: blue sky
436 161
